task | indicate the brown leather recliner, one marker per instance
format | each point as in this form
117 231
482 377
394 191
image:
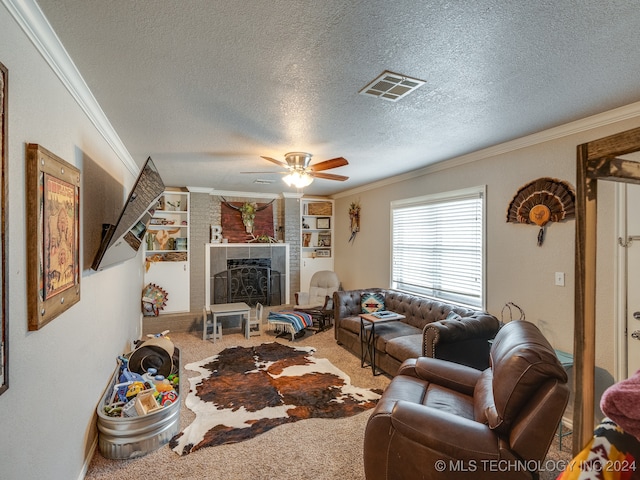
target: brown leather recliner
439 419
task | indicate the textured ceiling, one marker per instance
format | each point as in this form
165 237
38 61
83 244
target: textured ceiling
205 87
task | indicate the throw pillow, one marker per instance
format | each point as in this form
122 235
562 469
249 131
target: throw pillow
372 302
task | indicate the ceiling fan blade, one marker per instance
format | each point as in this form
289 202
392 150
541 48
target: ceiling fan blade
327 164
329 176
277 162
267 173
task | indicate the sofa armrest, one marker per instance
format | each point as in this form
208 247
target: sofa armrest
443 432
475 327
452 375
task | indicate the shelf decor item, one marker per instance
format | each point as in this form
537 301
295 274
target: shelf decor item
319 208
53 235
324 240
323 223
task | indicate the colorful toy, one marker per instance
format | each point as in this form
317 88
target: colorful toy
167 398
174 379
128 376
120 392
114 409
162 384
134 389
161 334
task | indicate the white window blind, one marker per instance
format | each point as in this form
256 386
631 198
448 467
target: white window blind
438 246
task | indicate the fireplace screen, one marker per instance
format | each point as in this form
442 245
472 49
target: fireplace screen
248 280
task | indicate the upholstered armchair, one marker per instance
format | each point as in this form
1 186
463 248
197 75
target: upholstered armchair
320 294
439 419
318 301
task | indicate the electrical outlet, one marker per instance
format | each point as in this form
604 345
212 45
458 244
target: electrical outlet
560 279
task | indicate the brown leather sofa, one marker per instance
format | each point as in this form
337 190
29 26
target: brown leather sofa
439 419
424 331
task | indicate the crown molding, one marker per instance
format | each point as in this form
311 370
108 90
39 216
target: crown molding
30 18
208 190
626 112
292 195
231 193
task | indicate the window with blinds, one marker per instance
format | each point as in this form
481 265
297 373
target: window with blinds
438 246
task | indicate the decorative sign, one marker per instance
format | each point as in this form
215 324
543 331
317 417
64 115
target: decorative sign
53 236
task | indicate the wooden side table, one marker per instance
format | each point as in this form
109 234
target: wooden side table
368 340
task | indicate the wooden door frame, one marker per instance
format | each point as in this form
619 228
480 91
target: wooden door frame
596 160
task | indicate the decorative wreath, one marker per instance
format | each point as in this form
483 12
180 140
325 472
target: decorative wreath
541 201
154 299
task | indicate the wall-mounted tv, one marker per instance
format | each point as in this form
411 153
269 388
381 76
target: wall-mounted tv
121 241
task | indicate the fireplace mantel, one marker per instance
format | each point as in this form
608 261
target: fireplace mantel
217 254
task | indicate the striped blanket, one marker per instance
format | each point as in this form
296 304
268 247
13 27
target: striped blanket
298 320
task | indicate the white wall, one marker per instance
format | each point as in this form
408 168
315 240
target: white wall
57 374
517 269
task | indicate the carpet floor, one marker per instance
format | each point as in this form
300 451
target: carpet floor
322 449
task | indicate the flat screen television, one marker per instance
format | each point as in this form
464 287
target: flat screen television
122 241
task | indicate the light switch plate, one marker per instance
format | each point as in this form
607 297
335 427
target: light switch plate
560 279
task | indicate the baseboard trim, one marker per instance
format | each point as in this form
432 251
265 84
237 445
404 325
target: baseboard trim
88 458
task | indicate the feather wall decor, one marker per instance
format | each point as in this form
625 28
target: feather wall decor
542 201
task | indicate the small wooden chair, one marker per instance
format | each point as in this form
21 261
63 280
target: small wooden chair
255 322
207 326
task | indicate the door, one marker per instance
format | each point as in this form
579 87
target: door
633 280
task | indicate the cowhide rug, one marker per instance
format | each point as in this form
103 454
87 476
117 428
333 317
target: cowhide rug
245 391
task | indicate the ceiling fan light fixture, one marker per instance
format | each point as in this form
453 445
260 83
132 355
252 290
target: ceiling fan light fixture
298 179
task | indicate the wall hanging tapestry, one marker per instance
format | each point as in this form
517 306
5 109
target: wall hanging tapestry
245 391
542 201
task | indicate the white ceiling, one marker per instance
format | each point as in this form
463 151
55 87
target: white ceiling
205 87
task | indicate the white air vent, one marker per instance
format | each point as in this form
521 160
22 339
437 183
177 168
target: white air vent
263 181
391 86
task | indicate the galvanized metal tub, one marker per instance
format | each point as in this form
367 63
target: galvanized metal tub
130 437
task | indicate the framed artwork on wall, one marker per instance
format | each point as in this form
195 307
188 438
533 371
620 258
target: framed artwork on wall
4 211
53 236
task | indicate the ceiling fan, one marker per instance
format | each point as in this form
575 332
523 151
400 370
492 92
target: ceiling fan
300 173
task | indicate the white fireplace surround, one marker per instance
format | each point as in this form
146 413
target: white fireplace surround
217 254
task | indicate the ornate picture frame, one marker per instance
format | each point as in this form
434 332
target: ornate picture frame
53 236
4 211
